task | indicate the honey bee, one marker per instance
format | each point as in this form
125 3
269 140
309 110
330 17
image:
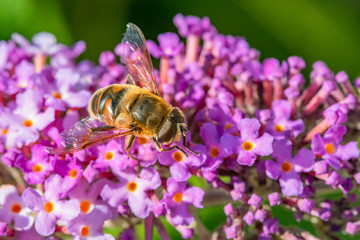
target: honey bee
128 110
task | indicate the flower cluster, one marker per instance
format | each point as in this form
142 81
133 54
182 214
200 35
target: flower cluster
264 138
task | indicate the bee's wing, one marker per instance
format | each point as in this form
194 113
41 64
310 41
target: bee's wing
87 133
135 55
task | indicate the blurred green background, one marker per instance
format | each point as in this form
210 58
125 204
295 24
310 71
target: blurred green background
314 29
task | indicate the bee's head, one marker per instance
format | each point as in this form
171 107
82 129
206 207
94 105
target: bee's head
174 128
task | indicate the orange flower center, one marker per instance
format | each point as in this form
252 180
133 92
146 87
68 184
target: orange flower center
37 168
132 186
177 197
85 231
177 156
73 173
5 131
286 167
214 151
49 207
57 95
28 123
329 148
227 126
109 155
247 146
142 140
16 208
279 128
85 206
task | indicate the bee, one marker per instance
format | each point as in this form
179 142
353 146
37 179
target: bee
128 110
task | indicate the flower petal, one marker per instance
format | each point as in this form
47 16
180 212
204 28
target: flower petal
291 184
45 223
179 172
304 161
263 145
249 128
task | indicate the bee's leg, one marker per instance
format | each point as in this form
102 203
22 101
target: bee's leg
128 147
161 149
186 147
103 128
129 80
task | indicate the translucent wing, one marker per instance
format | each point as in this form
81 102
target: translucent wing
135 55
87 133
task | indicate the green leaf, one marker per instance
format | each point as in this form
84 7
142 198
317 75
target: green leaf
212 217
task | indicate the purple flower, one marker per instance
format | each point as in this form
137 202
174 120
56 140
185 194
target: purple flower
88 197
39 167
178 197
14 209
254 200
271 226
70 170
180 164
306 205
273 70
60 93
351 228
274 199
191 25
28 119
287 168
133 189
214 150
109 155
169 46
89 227
50 207
22 79
296 64
248 145
281 126
249 218
329 148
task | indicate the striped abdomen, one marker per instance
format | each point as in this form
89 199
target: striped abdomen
105 103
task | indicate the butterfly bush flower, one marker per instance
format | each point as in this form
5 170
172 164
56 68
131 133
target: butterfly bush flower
133 189
261 136
287 168
177 199
249 144
50 207
14 209
329 147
